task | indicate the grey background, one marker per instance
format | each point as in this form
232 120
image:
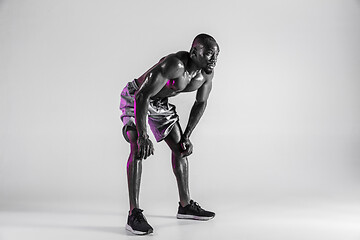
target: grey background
283 120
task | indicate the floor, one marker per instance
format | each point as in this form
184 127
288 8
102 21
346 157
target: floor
309 219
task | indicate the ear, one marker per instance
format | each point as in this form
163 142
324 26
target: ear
193 52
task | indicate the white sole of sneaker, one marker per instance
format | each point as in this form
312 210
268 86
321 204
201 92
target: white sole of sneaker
193 217
129 228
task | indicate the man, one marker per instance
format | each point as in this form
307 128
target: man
148 96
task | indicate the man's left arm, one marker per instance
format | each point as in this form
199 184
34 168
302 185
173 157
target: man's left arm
196 113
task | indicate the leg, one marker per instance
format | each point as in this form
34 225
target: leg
179 164
134 168
136 223
188 209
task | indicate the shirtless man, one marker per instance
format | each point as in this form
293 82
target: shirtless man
148 96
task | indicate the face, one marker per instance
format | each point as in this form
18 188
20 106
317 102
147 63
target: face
207 56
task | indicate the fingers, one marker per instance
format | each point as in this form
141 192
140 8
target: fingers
188 151
183 146
187 148
190 147
140 152
145 149
185 153
152 149
149 149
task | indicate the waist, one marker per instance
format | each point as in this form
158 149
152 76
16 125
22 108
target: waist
134 84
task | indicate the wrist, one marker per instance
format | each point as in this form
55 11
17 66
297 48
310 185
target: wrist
186 135
143 135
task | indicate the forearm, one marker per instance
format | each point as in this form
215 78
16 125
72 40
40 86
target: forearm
196 112
140 109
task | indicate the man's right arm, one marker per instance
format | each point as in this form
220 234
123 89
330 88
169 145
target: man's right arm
155 80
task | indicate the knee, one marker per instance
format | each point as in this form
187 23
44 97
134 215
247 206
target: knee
176 151
132 135
133 147
133 153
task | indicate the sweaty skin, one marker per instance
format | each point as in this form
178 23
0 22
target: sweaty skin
172 75
179 72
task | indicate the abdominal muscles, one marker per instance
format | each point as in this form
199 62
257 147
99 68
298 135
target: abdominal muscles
166 92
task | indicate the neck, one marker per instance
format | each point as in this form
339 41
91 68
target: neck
192 67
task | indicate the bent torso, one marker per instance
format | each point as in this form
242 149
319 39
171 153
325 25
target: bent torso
188 82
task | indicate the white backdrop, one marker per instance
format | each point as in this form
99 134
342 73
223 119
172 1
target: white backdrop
283 118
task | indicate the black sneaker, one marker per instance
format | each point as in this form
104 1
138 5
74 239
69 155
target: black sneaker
137 223
194 211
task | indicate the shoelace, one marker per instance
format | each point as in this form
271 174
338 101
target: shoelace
197 207
139 217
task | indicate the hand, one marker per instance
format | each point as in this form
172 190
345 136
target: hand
187 147
145 147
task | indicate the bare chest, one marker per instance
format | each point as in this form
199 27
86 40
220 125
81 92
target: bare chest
186 83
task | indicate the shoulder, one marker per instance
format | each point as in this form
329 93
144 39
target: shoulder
178 59
172 60
172 65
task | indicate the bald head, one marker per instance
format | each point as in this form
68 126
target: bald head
202 40
204 51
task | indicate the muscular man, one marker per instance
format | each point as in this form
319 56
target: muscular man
148 96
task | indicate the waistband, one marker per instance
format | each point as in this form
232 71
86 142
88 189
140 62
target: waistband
134 84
